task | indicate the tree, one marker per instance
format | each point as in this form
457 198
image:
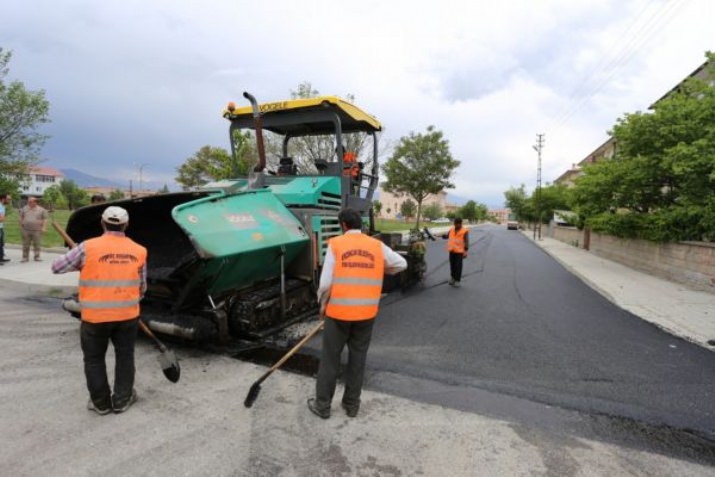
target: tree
52 197
407 209
432 211
420 165
22 112
550 198
377 207
469 211
164 190
660 185
206 165
116 194
516 201
73 195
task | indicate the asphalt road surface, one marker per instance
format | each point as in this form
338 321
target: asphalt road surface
523 329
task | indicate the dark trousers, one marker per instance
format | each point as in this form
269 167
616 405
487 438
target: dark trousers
336 334
2 243
95 339
455 265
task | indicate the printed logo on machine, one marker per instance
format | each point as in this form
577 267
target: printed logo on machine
242 221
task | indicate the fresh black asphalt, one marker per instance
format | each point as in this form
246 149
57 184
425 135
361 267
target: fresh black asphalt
522 326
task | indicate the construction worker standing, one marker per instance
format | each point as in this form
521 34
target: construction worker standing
458 247
349 293
112 281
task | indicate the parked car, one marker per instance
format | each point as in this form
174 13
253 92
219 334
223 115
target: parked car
512 225
441 220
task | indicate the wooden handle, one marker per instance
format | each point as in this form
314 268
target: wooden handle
68 240
300 344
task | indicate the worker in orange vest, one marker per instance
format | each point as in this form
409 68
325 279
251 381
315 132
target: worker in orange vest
458 247
350 165
112 281
349 294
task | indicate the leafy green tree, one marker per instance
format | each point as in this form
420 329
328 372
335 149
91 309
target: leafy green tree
550 198
407 208
74 196
421 164
206 165
661 183
469 211
517 200
432 211
377 207
116 194
164 190
22 112
53 198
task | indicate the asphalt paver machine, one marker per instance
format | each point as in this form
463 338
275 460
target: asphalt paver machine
241 258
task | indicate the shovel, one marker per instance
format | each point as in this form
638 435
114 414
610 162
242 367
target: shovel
167 358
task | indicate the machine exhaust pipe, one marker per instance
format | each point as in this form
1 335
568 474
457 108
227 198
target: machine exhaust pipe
258 124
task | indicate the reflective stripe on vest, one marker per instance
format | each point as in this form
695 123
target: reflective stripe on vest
110 279
455 243
357 277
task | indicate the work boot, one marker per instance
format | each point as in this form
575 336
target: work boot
351 411
457 284
451 281
121 407
321 413
98 410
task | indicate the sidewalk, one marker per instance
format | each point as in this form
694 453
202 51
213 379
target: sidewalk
34 276
671 306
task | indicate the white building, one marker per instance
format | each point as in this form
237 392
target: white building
391 203
38 180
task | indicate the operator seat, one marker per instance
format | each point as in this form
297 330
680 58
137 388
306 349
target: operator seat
287 167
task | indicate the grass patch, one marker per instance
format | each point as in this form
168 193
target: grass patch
391 225
50 239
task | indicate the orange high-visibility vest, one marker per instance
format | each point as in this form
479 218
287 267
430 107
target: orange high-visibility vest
110 280
455 244
350 167
357 277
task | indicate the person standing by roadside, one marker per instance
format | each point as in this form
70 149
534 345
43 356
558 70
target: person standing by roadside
458 247
349 294
33 223
4 199
112 281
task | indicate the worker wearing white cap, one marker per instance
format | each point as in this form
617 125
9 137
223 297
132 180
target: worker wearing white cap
112 281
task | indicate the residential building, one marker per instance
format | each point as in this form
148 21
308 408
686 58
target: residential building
607 150
38 180
391 203
501 215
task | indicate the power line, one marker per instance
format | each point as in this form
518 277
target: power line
654 23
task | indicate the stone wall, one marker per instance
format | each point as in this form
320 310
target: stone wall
570 235
691 263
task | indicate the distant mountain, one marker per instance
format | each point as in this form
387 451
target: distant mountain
86 180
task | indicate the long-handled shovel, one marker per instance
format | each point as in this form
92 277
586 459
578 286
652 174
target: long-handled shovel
256 387
167 358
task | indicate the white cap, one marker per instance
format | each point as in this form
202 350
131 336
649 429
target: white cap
115 215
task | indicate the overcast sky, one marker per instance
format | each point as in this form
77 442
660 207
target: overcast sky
144 82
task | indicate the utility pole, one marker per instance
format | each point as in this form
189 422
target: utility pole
141 182
537 202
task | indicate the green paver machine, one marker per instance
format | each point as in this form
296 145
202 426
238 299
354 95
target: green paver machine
242 258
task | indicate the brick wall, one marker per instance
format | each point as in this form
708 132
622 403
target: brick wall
691 263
